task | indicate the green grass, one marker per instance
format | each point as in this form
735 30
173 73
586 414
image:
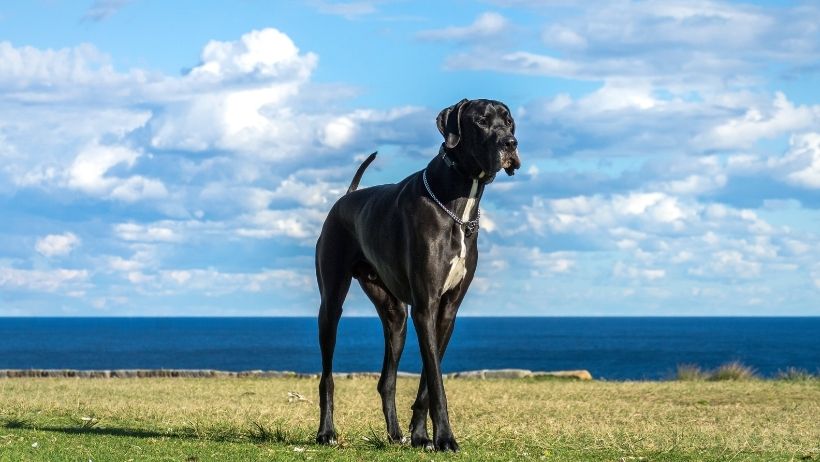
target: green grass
554 420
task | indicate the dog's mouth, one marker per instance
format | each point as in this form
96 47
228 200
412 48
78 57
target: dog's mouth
510 161
508 154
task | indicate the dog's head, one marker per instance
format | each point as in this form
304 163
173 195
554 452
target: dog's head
480 133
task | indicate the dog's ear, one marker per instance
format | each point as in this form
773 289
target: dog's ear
449 124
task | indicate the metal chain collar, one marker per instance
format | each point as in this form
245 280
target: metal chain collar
470 227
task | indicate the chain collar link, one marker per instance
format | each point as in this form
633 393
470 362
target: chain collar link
470 227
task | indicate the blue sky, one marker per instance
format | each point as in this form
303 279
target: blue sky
179 158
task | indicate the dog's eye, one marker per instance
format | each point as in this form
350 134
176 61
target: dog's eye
481 120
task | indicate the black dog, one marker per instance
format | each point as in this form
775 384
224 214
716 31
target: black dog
413 242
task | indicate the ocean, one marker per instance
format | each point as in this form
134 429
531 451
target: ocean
615 348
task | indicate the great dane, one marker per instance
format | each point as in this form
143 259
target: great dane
413 243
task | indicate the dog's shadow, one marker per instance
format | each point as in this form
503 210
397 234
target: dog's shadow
255 434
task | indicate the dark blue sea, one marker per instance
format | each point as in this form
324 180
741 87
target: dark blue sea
611 348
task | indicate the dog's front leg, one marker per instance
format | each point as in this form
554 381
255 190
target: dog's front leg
444 329
424 320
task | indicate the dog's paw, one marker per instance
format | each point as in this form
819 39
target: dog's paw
446 443
396 437
421 441
328 438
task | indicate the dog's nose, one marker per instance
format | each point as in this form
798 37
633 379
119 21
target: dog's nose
509 143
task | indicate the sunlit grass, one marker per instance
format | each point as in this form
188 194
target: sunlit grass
263 419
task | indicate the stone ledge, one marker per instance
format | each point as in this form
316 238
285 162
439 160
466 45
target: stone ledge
207 373
518 374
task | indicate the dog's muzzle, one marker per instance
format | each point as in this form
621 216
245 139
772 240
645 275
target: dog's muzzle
508 154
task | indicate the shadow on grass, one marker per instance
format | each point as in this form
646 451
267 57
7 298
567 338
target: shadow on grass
278 436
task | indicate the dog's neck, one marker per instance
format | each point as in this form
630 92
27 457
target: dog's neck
455 190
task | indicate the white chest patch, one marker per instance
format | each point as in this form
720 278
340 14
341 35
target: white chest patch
458 265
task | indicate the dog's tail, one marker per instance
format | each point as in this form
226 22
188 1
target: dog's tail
358 176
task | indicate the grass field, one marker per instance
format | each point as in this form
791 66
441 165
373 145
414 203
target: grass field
524 419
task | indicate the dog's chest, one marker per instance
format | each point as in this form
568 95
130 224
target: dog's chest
458 264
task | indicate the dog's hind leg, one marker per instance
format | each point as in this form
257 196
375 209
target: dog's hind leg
393 314
333 272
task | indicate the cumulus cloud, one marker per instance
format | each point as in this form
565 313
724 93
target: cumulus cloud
246 97
250 79
621 118
239 157
57 245
647 234
303 224
781 117
261 54
29 74
599 214
801 164
89 173
256 110
247 106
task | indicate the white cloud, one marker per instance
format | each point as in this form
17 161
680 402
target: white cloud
630 272
246 108
137 188
43 280
729 263
101 10
503 258
798 166
348 10
653 236
521 62
757 123
623 117
77 74
264 54
564 37
302 223
120 264
622 184
213 283
160 232
599 214
338 132
801 164
619 94
89 173
486 25
678 45
310 193
687 176
57 245
248 82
